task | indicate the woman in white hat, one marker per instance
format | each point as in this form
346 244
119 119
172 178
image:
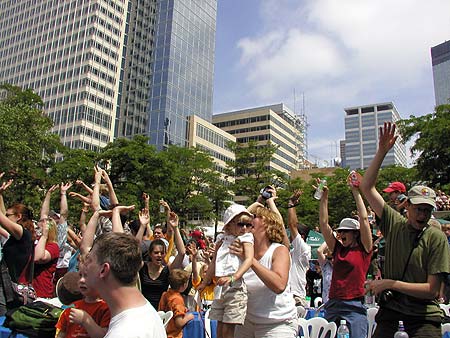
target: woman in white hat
351 260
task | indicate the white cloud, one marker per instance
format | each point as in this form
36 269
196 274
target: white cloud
341 53
337 45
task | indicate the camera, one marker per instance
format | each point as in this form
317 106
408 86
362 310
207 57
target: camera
385 297
265 193
401 197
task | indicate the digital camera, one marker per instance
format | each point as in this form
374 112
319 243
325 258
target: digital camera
265 193
386 296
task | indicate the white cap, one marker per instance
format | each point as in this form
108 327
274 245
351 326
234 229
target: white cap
233 211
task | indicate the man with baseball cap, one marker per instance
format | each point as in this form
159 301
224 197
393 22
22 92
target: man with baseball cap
396 191
417 257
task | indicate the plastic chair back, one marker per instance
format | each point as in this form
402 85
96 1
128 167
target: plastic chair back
446 309
317 327
165 317
317 302
445 328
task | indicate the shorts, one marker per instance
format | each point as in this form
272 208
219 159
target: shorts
231 307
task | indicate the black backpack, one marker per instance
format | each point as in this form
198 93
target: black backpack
37 319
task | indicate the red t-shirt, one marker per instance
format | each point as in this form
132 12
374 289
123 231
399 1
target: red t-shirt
350 267
99 312
43 273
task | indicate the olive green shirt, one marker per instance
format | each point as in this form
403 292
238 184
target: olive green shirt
430 257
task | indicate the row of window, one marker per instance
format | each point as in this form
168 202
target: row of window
212 136
77 97
78 144
79 113
214 154
82 130
246 120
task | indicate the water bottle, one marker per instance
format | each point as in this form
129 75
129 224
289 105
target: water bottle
369 298
401 333
319 191
161 208
343 331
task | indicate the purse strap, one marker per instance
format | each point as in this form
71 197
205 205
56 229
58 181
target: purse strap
28 271
415 244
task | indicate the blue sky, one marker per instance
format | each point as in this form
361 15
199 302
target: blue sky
338 53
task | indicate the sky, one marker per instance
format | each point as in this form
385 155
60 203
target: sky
326 55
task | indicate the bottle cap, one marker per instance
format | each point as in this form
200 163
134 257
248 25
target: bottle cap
343 322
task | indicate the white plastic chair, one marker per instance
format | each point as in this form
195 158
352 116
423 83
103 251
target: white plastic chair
317 327
446 308
445 328
371 313
301 311
317 302
165 317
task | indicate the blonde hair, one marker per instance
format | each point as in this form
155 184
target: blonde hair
52 230
273 224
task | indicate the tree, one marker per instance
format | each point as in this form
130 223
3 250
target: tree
27 143
432 131
251 168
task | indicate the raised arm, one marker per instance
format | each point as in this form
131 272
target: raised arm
45 208
3 187
63 208
84 186
89 234
95 203
112 194
325 228
144 221
386 141
181 250
117 225
321 257
292 213
272 206
41 255
11 227
366 234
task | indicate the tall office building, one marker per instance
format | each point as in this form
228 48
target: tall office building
275 123
440 59
361 135
109 68
69 52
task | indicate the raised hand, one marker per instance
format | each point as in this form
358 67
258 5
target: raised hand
5 185
65 186
387 136
144 217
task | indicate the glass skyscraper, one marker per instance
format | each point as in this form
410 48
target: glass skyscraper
181 65
440 58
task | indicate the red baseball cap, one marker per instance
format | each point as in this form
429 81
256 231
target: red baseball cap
395 186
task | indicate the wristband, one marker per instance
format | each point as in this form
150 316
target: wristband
292 205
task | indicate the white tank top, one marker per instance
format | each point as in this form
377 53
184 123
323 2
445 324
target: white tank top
264 305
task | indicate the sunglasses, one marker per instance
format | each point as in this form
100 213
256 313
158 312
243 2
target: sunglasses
241 224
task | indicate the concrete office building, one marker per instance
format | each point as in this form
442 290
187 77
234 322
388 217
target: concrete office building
109 68
275 123
213 141
361 135
440 59
69 52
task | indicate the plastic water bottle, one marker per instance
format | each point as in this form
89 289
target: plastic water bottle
343 331
401 333
369 298
319 191
161 208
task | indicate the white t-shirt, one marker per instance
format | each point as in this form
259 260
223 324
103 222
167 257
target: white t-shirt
300 256
139 322
226 262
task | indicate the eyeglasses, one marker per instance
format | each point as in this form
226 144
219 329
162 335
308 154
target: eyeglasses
343 230
7 215
241 224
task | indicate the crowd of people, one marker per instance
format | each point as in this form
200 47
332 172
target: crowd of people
252 278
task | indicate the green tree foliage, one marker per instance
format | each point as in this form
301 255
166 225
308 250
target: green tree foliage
431 144
251 168
27 144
